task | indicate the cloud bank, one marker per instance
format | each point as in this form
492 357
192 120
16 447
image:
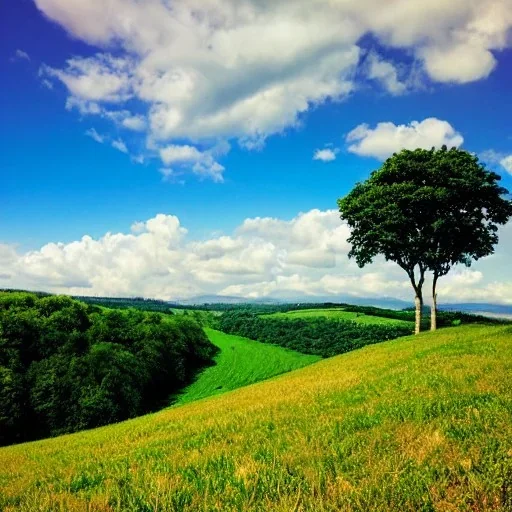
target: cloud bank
263 257
196 72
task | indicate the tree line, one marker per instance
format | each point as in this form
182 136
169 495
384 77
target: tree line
66 365
318 336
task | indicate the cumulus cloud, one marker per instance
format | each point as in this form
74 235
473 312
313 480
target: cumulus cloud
498 159
263 257
506 163
385 73
325 155
386 138
98 78
459 64
136 123
202 163
246 69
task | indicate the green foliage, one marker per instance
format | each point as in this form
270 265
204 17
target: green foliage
341 314
158 306
66 365
240 362
316 335
444 318
433 207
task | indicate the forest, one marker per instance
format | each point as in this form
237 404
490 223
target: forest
327 337
67 366
318 336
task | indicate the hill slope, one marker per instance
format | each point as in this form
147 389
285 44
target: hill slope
340 314
241 362
419 423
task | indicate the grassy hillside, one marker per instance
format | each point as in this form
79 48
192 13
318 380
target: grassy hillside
419 423
338 314
240 362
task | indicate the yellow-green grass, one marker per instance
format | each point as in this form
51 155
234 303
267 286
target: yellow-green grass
240 362
416 424
338 314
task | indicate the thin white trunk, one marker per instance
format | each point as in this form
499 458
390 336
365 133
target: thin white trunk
433 313
433 309
419 305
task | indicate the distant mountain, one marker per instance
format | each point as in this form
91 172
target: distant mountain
384 302
224 299
497 310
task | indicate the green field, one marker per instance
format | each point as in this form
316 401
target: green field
338 314
241 362
420 423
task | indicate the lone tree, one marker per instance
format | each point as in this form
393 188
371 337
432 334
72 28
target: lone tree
426 210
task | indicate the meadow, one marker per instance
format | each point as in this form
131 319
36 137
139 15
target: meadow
418 423
338 314
241 362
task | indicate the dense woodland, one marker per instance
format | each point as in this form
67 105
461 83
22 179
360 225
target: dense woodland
327 337
67 366
159 306
319 336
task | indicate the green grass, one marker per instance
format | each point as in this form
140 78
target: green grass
241 362
338 314
416 424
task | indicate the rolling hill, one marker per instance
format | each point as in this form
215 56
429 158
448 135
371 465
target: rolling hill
418 423
339 314
241 362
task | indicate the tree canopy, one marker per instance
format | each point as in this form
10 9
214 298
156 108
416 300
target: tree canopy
66 365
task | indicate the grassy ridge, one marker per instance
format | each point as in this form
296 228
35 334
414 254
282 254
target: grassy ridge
241 362
416 424
339 314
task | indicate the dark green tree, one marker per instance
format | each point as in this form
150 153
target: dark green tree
426 210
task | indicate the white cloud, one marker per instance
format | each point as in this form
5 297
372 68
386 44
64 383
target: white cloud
386 138
20 55
506 163
246 69
94 135
172 154
202 163
384 72
325 155
119 145
497 158
461 63
47 84
306 255
135 123
138 159
99 78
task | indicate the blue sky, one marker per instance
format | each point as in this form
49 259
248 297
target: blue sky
216 110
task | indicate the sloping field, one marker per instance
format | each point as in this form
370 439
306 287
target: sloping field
241 362
419 423
338 314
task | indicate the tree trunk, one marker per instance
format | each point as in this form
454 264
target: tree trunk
418 299
433 313
419 307
433 308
